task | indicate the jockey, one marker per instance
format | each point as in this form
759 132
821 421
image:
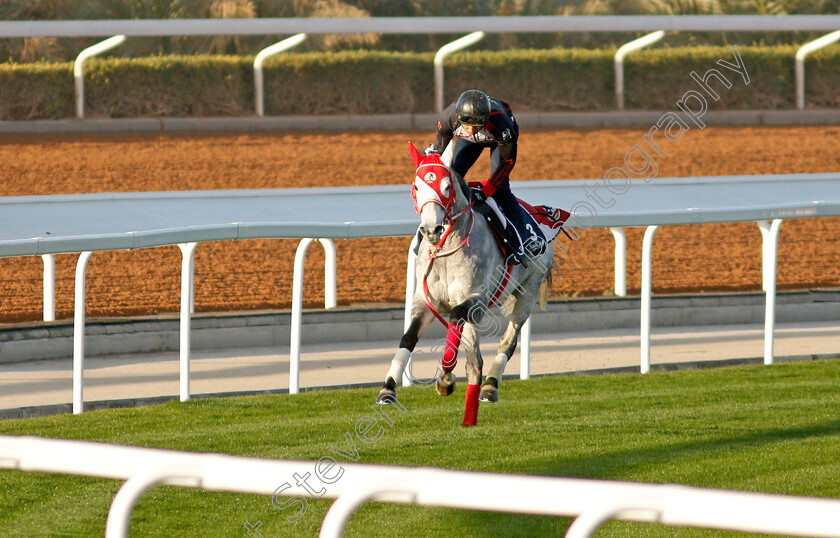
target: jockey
478 121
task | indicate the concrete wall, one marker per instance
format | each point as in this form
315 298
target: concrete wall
34 341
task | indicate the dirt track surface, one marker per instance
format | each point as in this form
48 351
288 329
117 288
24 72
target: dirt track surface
257 274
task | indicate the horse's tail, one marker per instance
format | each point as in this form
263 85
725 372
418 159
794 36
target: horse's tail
545 288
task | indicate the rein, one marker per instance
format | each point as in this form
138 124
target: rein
435 252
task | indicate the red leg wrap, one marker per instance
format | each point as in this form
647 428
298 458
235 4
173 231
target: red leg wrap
471 406
453 340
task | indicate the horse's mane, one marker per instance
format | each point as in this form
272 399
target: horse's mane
462 184
446 158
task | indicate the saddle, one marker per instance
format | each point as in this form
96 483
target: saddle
549 223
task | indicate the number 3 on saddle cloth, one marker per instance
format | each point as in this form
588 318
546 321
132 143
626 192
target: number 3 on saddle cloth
548 221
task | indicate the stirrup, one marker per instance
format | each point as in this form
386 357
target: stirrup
517 258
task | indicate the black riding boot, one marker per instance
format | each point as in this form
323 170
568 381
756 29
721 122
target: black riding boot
525 235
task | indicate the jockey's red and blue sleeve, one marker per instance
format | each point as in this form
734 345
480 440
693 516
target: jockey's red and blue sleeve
505 131
447 121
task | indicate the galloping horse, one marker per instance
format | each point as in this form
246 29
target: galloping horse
461 273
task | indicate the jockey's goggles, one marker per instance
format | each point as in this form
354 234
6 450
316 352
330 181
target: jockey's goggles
472 121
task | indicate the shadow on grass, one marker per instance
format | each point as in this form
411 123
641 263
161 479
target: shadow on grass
617 465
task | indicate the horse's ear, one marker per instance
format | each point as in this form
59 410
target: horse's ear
415 155
446 157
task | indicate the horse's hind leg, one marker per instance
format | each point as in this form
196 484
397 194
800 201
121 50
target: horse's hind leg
421 316
521 311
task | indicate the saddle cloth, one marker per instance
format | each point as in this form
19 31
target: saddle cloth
549 221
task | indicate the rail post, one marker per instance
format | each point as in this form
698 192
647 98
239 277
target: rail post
297 301
620 262
799 61
79 335
647 268
187 279
410 287
49 286
621 53
769 250
443 52
79 68
262 56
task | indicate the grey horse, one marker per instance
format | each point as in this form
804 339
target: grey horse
461 273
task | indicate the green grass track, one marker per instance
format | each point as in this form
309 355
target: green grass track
768 429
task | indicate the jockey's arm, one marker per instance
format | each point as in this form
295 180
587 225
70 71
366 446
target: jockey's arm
507 139
445 129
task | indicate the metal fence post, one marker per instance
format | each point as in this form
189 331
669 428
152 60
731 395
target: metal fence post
623 51
79 68
803 51
443 52
262 56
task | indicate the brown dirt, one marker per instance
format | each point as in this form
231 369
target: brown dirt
257 274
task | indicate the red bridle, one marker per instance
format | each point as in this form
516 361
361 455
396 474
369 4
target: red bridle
432 174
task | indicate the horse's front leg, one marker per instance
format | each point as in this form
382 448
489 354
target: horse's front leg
421 316
474 366
462 329
458 319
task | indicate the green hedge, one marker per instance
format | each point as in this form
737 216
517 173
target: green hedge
169 86
657 79
36 91
376 82
350 82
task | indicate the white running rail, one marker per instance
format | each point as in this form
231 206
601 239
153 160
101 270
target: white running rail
421 25
46 225
431 25
592 502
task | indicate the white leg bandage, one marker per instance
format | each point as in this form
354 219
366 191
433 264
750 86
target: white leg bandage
398 364
498 368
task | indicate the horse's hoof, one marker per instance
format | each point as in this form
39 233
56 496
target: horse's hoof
445 385
489 394
386 396
490 391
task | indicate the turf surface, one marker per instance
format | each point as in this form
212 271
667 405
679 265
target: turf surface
770 429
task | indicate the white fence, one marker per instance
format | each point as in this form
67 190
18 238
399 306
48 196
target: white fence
422 25
120 29
45 225
592 502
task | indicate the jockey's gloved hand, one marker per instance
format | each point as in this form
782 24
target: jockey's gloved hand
478 194
431 149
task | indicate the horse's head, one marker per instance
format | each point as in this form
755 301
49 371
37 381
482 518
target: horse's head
433 192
